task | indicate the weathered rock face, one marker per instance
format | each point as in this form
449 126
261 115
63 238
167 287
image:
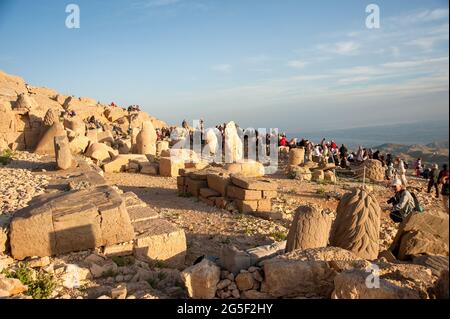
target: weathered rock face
306 273
201 279
62 153
357 224
146 139
309 229
422 233
71 221
47 143
234 147
23 113
386 281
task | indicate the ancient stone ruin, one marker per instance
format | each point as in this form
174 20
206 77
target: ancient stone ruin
357 224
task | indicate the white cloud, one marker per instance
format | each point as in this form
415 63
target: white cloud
341 48
222 68
297 64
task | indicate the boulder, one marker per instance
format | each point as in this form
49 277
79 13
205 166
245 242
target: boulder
384 281
170 166
245 281
357 224
305 273
201 279
79 144
100 152
70 221
46 145
146 139
310 228
76 125
422 233
63 155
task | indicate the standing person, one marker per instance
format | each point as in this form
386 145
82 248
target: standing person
360 155
443 179
401 171
418 167
433 180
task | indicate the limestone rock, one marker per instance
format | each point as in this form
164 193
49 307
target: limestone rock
46 145
121 162
146 139
51 116
247 168
201 279
100 152
160 240
24 101
357 224
62 153
79 144
310 229
302 273
297 156
386 281
72 221
422 233
245 281
374 170
11 286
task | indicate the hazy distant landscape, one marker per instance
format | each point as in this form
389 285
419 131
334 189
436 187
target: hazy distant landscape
427 140
424 133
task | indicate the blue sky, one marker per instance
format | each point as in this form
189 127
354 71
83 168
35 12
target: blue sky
296 65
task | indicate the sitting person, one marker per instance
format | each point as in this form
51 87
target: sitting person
403 202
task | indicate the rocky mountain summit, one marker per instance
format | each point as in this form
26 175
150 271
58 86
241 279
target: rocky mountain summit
94 205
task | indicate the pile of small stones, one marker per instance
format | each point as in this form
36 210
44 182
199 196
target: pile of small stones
18 187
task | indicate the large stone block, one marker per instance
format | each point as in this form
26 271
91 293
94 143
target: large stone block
70 221
246 168
161 241
194 186
201 279
170 167
422 233
253 183
219 182
235 192
304 273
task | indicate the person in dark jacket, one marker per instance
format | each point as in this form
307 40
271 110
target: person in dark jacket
433 180
403 202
